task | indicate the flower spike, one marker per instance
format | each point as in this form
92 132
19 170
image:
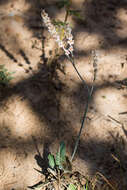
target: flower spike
61 43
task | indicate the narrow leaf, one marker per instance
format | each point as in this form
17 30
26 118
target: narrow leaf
75 13
53 172
72 187
58 23
9 78
51 161
86 188
58 158
62 152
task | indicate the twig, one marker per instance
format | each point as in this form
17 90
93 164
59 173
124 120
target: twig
122 113
104 178
118 122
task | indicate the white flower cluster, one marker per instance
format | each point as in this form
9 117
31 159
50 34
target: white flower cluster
95 60
56 36
70 40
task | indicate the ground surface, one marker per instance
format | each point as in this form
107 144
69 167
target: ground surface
44 103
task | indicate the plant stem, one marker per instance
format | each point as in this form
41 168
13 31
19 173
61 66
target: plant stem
66 16
82 125
72 61
90 91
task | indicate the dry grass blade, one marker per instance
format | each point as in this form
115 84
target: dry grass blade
93 182
42 186
105 179
115 158
52 172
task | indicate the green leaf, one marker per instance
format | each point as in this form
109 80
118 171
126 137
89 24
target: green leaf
75 13
2 75
62 152
60 155
4 70
59 23
51 161
2 66
71 187
5 76
58 163
86 188
9 78
13 72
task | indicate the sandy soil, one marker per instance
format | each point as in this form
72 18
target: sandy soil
44 103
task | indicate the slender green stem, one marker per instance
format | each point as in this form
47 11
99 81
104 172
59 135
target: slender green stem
82 125
72 61
90 91
66 16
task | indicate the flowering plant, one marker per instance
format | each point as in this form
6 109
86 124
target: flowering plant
62 33
60 165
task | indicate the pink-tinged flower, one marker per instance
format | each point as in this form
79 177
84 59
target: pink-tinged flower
67 40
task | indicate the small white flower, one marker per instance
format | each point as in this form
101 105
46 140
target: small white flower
70 40
67 53
68 35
